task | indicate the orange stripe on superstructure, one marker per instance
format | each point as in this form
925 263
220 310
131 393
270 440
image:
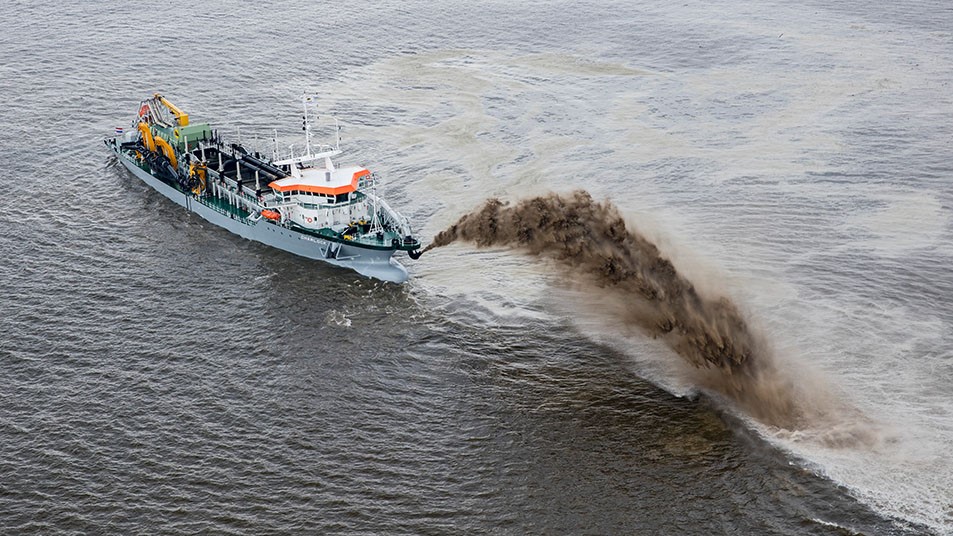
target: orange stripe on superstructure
347 188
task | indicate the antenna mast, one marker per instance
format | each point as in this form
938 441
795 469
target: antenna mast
307 124
337 131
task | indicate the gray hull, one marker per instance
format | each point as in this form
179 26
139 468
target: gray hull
378 264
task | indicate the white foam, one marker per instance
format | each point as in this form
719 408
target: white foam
337 318
907 220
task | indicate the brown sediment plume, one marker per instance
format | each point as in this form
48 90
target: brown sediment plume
591 240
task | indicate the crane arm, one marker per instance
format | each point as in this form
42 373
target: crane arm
181 117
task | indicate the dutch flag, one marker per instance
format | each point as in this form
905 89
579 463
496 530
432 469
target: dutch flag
118 131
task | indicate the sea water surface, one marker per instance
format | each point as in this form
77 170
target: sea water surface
159 375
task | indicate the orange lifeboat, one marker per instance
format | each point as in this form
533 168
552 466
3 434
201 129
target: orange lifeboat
271 214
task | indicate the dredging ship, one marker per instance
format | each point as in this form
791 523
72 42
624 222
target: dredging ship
303 204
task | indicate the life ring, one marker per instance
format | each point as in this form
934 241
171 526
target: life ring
309 220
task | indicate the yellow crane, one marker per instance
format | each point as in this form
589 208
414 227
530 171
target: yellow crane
181 117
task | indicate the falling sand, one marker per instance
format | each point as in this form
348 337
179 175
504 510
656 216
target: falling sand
592 242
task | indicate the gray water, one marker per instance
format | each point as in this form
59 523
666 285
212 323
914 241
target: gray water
159 375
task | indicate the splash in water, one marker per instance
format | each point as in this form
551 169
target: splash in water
592 242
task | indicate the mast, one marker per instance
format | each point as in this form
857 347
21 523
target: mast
307 124
337 131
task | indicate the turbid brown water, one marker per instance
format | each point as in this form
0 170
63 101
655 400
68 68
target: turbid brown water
590 240
592 244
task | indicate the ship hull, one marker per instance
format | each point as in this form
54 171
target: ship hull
375 263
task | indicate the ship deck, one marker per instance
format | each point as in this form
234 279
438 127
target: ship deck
385 240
